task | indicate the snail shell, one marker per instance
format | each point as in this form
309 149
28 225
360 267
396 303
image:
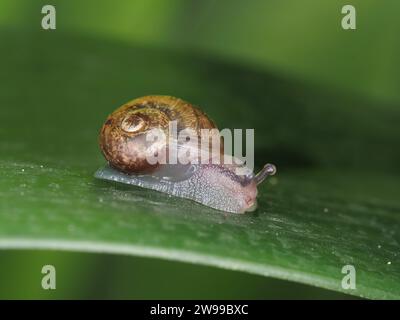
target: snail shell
122 137
123 144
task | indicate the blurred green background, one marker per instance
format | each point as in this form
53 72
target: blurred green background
290 38
303 39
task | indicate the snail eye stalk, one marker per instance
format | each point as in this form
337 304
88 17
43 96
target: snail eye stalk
268 170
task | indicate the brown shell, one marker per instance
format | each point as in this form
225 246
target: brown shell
122 137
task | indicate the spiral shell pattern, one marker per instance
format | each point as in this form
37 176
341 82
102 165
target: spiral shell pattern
122 137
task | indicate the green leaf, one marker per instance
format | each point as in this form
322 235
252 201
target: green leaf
333 202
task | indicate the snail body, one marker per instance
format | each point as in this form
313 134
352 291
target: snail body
123 143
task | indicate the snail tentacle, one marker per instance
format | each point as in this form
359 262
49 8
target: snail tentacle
268 170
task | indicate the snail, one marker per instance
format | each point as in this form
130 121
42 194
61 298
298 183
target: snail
125 145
